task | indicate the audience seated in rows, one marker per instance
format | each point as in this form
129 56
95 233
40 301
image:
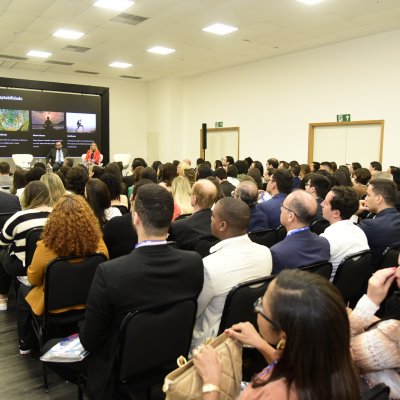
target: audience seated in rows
301 247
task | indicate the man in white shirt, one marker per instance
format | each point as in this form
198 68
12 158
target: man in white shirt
233 260
344 236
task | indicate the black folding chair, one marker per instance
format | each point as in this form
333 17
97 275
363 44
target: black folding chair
265 237
390 257
281 233
378 392
352 276
32 237
142 358
319 226
203 245
323 268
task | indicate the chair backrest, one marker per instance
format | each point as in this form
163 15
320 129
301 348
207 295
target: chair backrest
124 158
266 237
378 392
390 256
22 160
143 351
281 233
352 276
183 216
203 245
323 268
68 280
319 226
240 301
32 237
3 218
124 210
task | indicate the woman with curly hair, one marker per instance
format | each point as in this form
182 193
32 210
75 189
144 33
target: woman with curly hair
80 236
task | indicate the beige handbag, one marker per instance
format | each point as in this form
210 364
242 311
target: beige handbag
185 383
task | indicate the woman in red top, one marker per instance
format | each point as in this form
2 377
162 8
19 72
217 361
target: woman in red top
93 155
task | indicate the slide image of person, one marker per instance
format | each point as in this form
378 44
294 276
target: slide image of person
81 123
50 121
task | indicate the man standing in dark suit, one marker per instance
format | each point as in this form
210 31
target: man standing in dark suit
301 247
186 231
153 274
56 155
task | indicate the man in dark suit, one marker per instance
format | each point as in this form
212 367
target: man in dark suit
384 229
56 155
153 274
9 203
301 247
186 231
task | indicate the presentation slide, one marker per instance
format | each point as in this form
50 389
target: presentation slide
32 121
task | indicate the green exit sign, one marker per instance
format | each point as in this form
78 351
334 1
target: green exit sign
343 118
219 124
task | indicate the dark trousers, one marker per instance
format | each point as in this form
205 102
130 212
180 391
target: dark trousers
10 267
23 311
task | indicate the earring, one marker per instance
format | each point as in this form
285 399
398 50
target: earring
281 344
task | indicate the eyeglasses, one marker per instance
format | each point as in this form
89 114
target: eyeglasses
259 310
288 209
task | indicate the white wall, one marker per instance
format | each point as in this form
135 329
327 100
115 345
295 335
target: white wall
128 107
274 100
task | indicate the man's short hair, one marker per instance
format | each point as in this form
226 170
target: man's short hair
321 184
302 208
200 161
376 165
326 164
316 165
283 179
247 191
345 200
285 164
205 193
235 212
149 173
386 188
363 175
220 173
232 171
230 160
295 170
155 207
34 174
274 162
4 168
69 162
242 167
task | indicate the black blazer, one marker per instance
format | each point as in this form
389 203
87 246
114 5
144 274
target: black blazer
52 154
148 277
184 232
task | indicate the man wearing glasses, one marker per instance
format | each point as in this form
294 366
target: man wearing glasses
301 247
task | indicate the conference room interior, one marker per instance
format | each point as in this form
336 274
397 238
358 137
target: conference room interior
288 70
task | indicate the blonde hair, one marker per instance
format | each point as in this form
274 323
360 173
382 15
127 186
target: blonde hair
35 195
55 186
182 167
181 191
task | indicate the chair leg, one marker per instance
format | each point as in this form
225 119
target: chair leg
45 381
80 387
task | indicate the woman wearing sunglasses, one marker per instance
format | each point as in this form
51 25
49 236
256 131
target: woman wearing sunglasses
305 338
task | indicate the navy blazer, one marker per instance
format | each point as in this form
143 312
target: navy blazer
299 249
272 210
381 231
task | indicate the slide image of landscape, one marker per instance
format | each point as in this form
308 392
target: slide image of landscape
14 120
81 123
48 120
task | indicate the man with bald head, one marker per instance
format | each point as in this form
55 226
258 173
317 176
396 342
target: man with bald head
233 260
301 247
187 231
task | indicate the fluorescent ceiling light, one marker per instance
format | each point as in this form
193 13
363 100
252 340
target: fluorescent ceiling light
220 29
118 64
160 50
117 5
67 34
41 54
310 2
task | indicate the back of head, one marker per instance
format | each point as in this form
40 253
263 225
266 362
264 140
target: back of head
203 171
114 185
283 179
78 237
345 200
326 165
113 168
319 364
220 173
355 165
376 165
97 171
19 180
256 175
34 174
76 180
35 194
205 193
235 213
362 176
69 162
259 166
385 188
303 205
138 184
232 171
274 162
315 165
342 178
150 174
242 167
220 193
247 191
155 165
55 186
200 161
230 160
169 173
295 170
98 197
321 184
155 206
4 168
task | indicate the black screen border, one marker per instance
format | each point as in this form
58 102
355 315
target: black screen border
103 92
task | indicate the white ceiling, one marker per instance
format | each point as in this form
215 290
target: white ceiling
267 28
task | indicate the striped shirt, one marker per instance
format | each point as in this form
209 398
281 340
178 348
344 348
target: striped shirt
16 228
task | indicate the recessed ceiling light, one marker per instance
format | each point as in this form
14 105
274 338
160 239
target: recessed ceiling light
117 5
41 54
67 34
310 2
220 29
160 50
118 64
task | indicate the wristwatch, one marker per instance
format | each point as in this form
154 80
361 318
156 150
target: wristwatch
209 387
